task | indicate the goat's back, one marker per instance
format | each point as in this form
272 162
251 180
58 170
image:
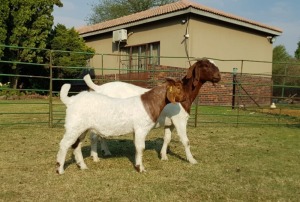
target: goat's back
118 89
108 116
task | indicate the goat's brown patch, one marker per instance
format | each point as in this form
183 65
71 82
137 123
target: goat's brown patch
75 145
153 103
157 98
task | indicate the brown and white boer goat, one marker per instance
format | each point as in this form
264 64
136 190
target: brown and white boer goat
110 117
173 116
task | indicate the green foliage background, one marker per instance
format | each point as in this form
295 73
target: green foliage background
286 72
105 10
29 24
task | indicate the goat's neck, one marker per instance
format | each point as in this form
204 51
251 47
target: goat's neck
191 93
154 101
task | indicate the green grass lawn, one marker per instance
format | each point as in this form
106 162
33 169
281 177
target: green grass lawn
245 163
235 164
282 116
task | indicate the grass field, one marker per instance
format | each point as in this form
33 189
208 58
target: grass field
235 164
244 163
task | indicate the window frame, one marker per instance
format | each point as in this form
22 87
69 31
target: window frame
142 59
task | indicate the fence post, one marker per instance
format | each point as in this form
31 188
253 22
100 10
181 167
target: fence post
50 91
102 68
234 71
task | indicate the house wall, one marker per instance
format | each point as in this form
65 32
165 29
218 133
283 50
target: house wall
207 38
169 33
211 39
104 57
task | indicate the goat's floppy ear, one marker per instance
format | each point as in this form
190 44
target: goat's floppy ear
171 94
190 71
197 76
194 68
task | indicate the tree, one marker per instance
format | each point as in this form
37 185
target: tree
69 52
106 9
25 23
4 11
285 72
72 51
280 54
297 52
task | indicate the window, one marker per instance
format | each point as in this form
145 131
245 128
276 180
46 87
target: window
137 58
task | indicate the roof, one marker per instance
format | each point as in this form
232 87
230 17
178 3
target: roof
170 10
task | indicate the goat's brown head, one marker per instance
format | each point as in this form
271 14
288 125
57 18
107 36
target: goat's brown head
175 92
204 70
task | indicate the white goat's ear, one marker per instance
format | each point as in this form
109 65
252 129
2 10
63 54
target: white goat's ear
171 94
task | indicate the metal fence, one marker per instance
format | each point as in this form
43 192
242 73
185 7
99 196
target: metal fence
29 89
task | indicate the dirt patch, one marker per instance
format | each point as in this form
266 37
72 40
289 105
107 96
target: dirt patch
23 97
289 112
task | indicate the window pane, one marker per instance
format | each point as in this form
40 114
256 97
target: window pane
155 54
125 59
137 58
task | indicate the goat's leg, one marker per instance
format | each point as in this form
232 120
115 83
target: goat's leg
181 131
94 142
139 142
79 158
167 140
104 148
68 139
78 153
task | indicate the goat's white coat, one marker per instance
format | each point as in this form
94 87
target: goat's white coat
173 115
115 89
90 110
109 117
86 103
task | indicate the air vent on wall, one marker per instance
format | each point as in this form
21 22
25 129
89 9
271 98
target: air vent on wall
119 35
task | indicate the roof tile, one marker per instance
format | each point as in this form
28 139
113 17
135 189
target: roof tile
168 8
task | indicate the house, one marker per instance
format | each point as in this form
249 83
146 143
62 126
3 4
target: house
170 35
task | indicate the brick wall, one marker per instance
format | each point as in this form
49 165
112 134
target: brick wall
253 89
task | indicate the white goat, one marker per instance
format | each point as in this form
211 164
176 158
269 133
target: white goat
172 115
113 117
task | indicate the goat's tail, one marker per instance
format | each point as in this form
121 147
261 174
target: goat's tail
89 82
64 93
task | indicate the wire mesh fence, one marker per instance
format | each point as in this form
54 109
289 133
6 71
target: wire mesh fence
249 93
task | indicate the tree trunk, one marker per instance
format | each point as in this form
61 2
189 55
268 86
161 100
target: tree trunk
14 80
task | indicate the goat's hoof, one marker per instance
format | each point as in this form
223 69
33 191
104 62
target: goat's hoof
96 159
193 161
164 158
59 171
139 168
106 153
83 167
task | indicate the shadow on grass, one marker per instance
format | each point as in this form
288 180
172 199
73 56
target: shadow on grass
124 148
